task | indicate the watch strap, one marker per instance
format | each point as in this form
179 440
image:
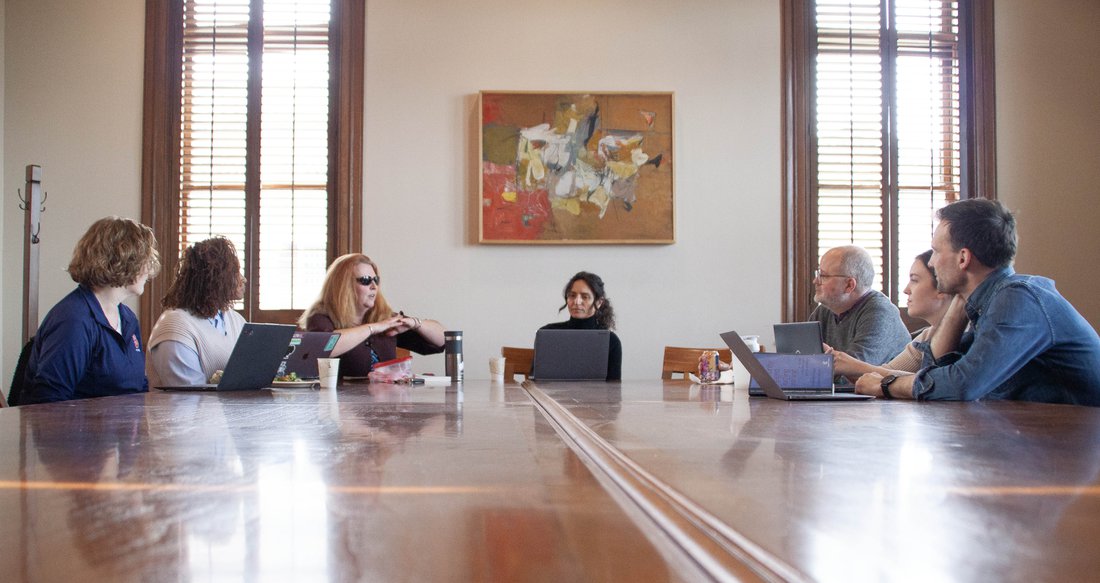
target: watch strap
886 386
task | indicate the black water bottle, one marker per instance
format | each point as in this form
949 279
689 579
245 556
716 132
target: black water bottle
453 351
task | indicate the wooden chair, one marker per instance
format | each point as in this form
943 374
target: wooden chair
685 360
517 361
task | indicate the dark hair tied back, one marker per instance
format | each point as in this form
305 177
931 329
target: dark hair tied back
605 314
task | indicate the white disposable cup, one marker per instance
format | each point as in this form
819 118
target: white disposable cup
496 368
329 371
741 377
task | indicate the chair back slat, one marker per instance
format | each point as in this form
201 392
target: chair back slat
681 361
517 361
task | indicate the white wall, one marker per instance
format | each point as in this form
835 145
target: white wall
426 61
73 104
1048 139
6 199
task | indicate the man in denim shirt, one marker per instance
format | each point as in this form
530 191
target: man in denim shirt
1024 342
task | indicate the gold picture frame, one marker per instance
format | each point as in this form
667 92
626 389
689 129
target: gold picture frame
576 168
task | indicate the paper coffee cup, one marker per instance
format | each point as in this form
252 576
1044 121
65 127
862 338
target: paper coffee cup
329 371
496 368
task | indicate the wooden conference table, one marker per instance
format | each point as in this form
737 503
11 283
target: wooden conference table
638 481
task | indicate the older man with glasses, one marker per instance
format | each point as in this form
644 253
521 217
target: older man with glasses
854 318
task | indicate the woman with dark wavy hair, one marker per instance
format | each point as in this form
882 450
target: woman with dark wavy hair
89 344
196 332
590 309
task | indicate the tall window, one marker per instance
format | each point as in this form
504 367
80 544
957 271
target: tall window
253 131
882 128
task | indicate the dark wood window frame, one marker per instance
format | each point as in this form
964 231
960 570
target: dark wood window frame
161 138
798 211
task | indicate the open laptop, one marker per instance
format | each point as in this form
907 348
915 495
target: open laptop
304 350
254 360
571 355
771 388
796 372
798 338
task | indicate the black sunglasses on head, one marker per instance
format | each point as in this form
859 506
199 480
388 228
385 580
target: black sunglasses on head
367 280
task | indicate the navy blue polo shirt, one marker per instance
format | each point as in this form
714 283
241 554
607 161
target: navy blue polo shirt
77 355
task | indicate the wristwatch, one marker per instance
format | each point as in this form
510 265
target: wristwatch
886 380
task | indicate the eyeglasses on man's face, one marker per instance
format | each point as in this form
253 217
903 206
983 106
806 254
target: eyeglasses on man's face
819 275
367 280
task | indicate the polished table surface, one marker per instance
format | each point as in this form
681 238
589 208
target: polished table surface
641 480
882 490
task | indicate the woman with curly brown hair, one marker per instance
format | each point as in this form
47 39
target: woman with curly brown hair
351 303
89 344
196 333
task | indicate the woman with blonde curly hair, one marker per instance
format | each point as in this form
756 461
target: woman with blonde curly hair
89 344
195 335
351 303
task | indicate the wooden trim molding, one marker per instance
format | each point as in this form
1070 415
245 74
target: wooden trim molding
798 234
977 88
159 156
346 138
161 138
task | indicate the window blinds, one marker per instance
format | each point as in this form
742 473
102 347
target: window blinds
272 201
886 114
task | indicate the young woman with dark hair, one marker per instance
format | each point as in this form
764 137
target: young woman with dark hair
590 309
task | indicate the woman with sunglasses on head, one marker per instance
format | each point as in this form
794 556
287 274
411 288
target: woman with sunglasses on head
351 303
195 335
590 309
89 344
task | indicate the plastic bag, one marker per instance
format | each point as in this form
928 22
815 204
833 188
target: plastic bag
398 370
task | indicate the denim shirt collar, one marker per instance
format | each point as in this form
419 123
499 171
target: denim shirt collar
979 300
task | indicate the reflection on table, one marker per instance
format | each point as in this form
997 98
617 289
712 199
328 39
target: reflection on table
375 482
490 482
872 490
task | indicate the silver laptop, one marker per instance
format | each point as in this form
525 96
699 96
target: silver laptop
796 372
571 355
771 388
798 338
254 360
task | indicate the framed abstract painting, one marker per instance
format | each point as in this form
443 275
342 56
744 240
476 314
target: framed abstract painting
576 168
